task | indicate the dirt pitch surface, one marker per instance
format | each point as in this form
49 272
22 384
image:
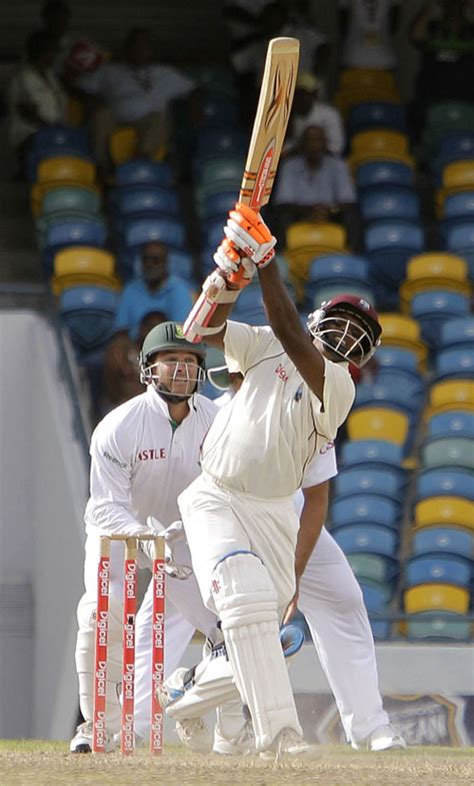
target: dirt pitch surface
36 763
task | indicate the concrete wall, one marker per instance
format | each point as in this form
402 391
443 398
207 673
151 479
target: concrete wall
43 489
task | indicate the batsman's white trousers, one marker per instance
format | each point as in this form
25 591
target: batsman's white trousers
184 612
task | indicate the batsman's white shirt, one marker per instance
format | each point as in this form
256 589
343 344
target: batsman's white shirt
262 442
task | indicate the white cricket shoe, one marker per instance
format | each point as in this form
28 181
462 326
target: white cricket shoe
82 740
194 733
382 739
241 745
288 743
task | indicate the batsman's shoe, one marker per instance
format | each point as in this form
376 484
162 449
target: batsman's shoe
194 733
382 739
288 743
241 745
82 740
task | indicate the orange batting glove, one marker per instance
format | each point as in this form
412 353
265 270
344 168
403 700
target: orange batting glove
250 235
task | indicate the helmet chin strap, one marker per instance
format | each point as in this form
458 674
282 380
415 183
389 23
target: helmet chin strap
170 397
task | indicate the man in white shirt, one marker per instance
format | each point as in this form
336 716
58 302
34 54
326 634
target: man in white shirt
368 27
143 454
137 92
308 110
239 515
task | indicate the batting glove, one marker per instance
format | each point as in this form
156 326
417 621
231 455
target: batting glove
250 235
228 259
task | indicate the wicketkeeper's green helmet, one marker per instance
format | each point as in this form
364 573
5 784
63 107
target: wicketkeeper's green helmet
166 337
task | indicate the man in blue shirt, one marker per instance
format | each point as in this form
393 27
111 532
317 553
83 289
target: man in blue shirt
154 290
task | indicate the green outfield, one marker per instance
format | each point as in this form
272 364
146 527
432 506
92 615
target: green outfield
38 763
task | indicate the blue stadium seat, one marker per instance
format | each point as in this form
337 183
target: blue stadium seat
438 626
218 205
55 141
460 240
371 452
144 172
367 480
364 509
219 111
389 245
454 363
413 384
455 146
447 540
334 267
367 539
377 597
448 451
397 358
435 307
457 332
388 392
146 199
91 232
451 424
387 173
214 142
167 230
376 114
89 314
214 233
444 568
374 566
386 204
457 209
445 480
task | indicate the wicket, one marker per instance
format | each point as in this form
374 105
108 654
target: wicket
128 657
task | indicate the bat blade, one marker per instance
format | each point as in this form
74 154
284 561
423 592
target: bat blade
271 120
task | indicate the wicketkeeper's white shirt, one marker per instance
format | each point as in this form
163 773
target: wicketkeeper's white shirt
262 442
140 464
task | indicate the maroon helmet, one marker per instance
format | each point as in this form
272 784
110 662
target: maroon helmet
348 326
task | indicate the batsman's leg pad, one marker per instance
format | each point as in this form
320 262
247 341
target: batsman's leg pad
246 603
193 692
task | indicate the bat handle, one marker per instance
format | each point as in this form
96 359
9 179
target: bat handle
236 280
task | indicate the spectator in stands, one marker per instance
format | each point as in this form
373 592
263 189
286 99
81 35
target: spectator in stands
35 97
154 290
135 91
367 29
121 377
308 110
444 36
315 186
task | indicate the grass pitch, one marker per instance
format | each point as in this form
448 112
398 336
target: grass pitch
40 763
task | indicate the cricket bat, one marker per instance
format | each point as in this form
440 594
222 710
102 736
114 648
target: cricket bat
269 129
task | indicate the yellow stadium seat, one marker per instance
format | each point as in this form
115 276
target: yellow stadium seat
66 169
304 234
82 265
38 190
75 113
378 423
458 176
380 142
366 78
434 271
432 597
123 144
402 331
450 394
444 510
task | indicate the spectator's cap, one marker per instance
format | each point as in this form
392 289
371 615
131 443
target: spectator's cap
168 336
307 81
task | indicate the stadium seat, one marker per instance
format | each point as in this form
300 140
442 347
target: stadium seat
444 118
376 114
89 314
80 265
144 230
374 174
364 509
368 539
454 423
434 270
457 209
454 146
455 363
381 142
438 626
334 268
451 394
387 392
449 540
389 245
442 568
65 199
135 200
436 597
373 567
367 480
366 79
433 308
444 510
387 204
460 240
51 141
66 170
123 144
218 205
371 453
452 481
92 232
458 176
457 333
377 597
328 291
306 240
144 172
221 174
448 451
378 423
395 357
